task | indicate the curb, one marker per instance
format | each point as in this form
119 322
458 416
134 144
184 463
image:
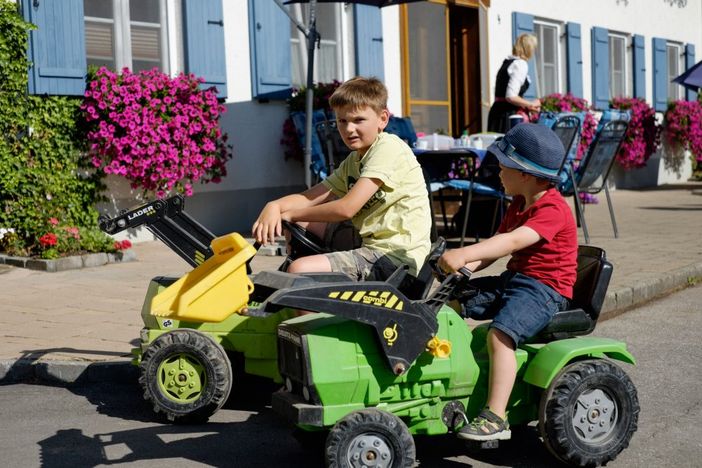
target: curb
623 299
73 262
82 372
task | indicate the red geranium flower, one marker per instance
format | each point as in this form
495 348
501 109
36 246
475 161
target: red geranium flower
48 240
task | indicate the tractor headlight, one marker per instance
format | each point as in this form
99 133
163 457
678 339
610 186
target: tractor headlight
288 384
144 335
306 393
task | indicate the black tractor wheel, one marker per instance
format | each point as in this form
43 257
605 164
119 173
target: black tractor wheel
371 438
589 413
186 375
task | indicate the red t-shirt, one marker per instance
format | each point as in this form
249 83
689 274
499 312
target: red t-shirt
553 259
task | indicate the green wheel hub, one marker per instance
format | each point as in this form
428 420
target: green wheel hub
182 378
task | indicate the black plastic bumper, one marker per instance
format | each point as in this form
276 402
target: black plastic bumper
294 409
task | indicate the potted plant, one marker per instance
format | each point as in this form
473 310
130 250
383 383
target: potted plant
682 125
642 137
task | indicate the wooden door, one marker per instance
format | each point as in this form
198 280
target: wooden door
440 43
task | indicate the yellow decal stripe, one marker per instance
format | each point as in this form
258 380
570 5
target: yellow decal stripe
199 257
358 296
334 294
399 306
345 296
391 302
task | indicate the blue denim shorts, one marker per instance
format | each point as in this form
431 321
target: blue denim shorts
518 305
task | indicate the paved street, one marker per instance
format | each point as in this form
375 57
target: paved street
103 424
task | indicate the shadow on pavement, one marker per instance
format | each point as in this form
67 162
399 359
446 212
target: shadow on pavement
262 440
212 444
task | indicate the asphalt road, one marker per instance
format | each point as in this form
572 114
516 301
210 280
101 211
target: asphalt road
105 425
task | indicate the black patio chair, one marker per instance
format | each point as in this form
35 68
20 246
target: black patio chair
591 174
437 167
567 127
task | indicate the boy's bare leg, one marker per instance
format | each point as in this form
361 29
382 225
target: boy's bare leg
310 264
503 371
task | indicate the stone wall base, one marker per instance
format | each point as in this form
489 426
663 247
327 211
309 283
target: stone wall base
68 263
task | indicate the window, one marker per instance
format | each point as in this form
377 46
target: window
675 58
126 33
328 57
547 58
618 66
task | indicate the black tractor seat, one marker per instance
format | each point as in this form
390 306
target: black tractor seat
594 273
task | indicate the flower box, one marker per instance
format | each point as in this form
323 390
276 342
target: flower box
656 172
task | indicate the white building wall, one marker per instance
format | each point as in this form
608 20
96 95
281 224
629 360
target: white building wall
236 44
650 18
392 58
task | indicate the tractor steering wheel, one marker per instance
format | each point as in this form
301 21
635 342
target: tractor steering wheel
459 279
303 242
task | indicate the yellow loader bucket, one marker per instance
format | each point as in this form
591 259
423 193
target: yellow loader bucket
214 290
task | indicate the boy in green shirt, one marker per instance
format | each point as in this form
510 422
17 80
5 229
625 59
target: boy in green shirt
379 187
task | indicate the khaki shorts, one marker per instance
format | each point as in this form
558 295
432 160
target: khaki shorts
362 264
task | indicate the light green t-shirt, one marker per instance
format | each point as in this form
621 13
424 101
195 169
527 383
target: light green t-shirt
396 221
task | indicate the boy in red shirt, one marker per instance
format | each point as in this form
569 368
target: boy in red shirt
540 234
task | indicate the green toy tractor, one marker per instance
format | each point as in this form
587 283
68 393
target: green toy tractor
375 373
380 362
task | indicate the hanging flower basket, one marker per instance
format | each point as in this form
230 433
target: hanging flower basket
682 125
160 133
643 135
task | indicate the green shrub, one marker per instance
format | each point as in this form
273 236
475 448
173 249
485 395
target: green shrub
43 171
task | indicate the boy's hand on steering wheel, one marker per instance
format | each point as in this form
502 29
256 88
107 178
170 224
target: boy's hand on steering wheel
451 261
268 225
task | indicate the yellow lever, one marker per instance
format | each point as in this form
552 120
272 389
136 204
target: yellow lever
439 348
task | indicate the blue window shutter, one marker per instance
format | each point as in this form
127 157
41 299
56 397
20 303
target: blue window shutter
660 74
575 59
600 68
204 43
689 62
56 47
269 33
368 30
524 23
639 67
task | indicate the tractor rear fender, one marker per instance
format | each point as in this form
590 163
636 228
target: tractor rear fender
551 357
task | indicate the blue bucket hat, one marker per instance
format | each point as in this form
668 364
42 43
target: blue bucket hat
531 148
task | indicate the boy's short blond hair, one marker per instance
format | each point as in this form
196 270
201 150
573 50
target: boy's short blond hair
359 92
525 46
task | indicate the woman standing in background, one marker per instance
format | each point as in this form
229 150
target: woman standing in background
511 84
